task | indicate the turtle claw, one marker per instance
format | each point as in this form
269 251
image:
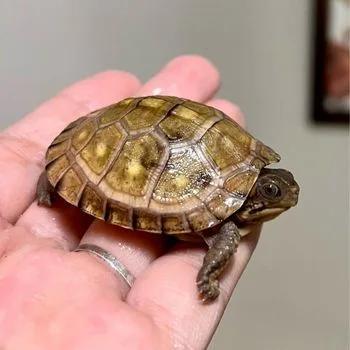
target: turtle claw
209 290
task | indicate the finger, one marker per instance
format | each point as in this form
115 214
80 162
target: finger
191 77
63 223
167 292
44 124
4 224
136 250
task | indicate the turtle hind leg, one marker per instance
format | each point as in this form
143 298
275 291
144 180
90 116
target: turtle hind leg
44 191
221 248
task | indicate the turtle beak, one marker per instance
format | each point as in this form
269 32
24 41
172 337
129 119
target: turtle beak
294 195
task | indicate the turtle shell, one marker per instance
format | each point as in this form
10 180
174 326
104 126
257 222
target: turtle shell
158 163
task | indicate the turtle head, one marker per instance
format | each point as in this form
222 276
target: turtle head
274 192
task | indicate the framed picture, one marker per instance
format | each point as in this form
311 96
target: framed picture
331 92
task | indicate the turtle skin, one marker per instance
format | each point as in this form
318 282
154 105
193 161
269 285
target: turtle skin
160 164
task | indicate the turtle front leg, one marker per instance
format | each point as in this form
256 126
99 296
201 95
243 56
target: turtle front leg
221 248
44 191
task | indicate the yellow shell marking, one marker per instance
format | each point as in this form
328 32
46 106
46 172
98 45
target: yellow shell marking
100 149
226 144
135 168
181 181
184 177
136 163
82 135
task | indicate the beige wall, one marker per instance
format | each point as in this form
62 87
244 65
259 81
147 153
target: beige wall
294 293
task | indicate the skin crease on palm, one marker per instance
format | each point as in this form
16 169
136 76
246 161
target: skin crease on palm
53 298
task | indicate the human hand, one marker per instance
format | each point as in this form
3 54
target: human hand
54 298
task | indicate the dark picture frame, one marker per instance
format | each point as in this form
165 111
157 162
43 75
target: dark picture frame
330 88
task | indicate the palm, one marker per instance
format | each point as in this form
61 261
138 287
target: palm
53 298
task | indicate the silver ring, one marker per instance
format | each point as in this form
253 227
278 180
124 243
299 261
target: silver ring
117 267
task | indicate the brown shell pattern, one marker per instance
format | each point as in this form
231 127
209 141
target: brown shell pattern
156 163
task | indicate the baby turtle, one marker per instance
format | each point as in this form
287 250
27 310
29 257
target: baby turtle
171 166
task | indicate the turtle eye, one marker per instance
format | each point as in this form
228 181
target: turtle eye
270 191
